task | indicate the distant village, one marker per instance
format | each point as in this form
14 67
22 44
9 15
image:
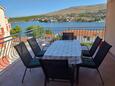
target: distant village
68 19
98 16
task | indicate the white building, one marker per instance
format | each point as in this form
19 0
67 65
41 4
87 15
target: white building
4 25
4 32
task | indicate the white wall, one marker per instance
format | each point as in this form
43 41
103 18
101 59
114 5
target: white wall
2 18
110 25
4 22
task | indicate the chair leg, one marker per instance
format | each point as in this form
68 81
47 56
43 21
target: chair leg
77 74
100 77
72 82
24 75
30 69
45 82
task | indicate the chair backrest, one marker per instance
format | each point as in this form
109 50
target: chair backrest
68 36
23 53
95 45
34 45
101 53
54 68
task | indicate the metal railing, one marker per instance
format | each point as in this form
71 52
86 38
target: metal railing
7 51
83 34
8 54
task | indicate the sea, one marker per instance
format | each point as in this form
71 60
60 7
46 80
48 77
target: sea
57 27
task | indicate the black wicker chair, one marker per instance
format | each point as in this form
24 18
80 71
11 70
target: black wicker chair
26 58
68 36
95 62
35 47
57 69
90 53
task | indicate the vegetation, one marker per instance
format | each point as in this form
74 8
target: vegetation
24 19
48 31
16 29
37 31
57 37
86 44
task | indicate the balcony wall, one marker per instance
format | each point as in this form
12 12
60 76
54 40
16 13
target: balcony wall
110 24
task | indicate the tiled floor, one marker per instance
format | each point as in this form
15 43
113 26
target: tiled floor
88 77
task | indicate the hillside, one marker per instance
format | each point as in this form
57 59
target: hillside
78 9
87 13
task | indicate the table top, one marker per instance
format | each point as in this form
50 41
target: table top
65 49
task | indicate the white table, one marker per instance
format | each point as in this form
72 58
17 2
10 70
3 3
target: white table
65 49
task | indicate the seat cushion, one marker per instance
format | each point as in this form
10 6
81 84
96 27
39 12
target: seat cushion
87 62
86 53
34 63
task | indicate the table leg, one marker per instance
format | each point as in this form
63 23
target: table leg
77 74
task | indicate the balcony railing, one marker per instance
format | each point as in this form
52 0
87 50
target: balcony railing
7 52
8 55
86 35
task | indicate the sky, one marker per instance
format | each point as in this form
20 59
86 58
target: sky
18 8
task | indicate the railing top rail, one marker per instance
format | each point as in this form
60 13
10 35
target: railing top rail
7 40
78 27
9 36
27 31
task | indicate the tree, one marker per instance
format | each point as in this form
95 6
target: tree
15 30
48 31
37 31
57 37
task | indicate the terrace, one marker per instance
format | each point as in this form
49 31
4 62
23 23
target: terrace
12 68
13 74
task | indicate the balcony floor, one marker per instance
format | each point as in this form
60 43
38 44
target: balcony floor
88 77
